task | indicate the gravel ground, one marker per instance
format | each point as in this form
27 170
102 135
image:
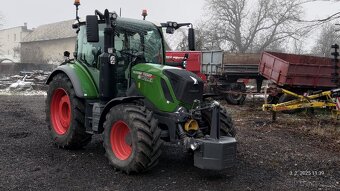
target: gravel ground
294 153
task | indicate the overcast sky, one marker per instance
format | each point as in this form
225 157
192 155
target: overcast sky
38 12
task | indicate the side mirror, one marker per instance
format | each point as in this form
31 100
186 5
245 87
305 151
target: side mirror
92 31
191 39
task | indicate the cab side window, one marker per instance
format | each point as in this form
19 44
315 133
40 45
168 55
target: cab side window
89 52
119 41
135 42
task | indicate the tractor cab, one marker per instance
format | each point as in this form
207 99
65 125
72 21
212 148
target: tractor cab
134 42
139 42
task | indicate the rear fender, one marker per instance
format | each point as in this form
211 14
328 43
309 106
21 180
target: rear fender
81 80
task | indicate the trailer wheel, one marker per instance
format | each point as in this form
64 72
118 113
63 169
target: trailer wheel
65 114
235 98
132 138
285 98
227 125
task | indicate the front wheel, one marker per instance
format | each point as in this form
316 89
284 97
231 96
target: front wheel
227 127
132 138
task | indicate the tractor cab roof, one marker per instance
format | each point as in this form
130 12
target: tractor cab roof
126 22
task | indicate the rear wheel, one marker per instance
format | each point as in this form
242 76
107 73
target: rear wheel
132 138
65 114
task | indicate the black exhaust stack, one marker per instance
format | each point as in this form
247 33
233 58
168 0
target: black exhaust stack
107 60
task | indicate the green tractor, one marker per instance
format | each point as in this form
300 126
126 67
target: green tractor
118 84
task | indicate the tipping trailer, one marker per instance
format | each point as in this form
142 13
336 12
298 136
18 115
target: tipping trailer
304 72
297 73
222 72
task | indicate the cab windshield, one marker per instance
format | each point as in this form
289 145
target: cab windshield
134 41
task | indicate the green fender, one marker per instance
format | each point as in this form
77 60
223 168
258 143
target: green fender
112 103
84 85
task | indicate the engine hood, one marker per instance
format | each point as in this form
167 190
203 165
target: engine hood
154 69
167 87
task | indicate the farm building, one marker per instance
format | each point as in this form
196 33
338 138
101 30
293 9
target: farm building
47 43
10 42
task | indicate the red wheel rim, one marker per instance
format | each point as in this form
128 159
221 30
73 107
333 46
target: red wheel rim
60 111
121 140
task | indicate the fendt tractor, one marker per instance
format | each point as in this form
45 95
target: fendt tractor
118 84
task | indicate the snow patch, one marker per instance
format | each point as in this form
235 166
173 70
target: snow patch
23 93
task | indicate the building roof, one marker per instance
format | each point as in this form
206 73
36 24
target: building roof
23 28
53 31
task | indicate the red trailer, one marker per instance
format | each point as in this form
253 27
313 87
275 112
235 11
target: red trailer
297 73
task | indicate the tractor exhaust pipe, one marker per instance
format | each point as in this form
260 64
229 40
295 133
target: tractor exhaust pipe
108 72
107 60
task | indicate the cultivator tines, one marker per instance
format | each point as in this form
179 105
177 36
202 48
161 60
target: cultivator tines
320 99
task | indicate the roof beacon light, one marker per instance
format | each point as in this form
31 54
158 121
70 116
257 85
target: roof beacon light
144 13
76 2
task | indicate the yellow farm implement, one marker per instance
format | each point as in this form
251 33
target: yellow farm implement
325 100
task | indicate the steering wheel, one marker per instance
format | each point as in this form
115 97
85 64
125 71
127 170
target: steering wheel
131 52
134 54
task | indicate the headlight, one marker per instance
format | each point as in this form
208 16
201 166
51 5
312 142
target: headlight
184 64
181 110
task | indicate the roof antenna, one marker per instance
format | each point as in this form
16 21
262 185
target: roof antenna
77 3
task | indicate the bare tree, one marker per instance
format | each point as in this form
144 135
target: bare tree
175 41
299 46
183 44
254 25
327 37
205 39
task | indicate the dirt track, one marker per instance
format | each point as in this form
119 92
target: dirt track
287 155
